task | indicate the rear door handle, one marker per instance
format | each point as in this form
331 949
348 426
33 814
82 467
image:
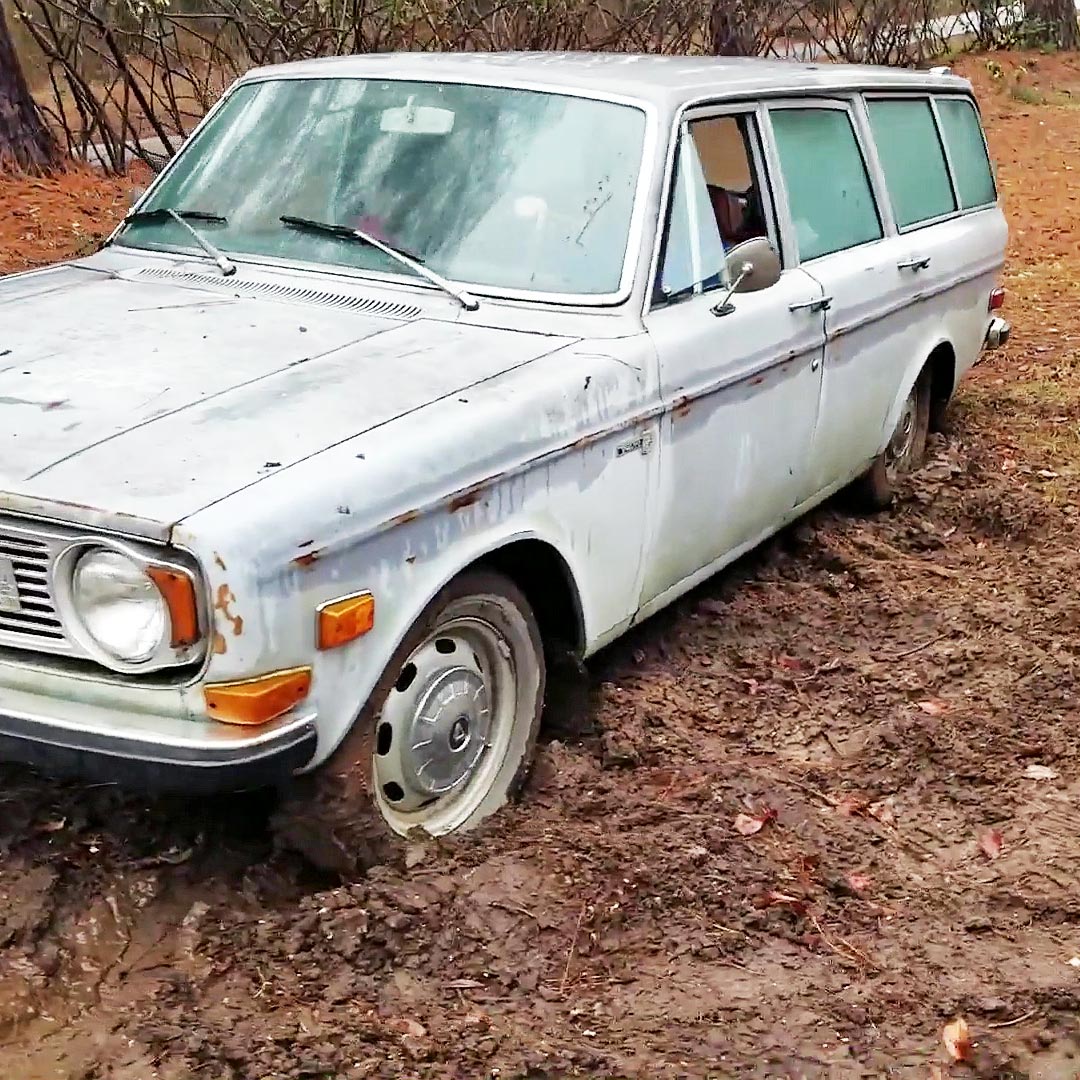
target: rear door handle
820 303
914 264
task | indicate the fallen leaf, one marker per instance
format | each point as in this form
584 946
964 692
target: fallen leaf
772 898
850 805
752 685
1073 961
859 882
464 984
990 843
938 1073
792 663
406 1025
883 811
1040 772
53 826
748 824
957 1040
933 707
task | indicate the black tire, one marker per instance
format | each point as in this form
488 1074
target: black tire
336 816
875 489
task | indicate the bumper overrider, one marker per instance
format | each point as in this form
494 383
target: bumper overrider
997 334
150 752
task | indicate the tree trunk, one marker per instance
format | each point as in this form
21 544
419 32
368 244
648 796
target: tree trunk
727 27
25 139
1057 21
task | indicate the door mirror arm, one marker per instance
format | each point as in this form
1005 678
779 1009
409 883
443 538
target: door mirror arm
726 307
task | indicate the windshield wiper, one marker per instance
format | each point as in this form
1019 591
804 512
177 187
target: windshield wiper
346 232
166 213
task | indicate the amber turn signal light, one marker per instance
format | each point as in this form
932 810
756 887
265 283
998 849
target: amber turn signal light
344 620
255 701
179 593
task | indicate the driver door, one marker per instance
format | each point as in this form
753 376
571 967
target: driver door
739 381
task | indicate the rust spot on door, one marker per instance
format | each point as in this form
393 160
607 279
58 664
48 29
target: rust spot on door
220 644
220 561
404 519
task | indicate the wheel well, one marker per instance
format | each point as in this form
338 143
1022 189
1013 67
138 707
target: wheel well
942 367
541 573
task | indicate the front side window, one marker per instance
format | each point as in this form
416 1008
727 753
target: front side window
716 203
967 151
488 186
832 204
912 159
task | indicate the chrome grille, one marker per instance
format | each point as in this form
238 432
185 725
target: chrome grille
35 624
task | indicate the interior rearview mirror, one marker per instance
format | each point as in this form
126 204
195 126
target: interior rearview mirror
413 119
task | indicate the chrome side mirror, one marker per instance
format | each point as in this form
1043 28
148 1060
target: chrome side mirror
752 265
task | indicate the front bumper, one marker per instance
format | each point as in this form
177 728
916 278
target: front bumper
151 753
997 334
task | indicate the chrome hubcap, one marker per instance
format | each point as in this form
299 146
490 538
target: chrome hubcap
902 444
445 724
448 731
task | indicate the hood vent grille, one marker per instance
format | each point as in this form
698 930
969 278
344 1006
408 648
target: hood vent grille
364 305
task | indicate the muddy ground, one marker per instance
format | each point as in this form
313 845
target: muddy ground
901 691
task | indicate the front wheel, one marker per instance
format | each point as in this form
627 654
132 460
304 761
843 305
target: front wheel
445 739
904 452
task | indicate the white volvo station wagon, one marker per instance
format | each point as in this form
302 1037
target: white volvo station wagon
410 370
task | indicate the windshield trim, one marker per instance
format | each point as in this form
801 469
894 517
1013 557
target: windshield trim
635 237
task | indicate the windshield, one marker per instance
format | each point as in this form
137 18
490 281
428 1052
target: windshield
512 189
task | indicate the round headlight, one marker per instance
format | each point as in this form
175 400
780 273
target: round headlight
119 607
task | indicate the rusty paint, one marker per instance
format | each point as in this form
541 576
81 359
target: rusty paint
466 498
682 406
404 519
220 646
757 380
225 597
307 560
220 561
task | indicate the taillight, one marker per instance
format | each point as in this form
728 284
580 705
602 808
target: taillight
997 300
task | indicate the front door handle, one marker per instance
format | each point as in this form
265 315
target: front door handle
820 303
914 264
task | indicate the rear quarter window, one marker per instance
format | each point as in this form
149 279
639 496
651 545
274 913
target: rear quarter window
967 152
912 159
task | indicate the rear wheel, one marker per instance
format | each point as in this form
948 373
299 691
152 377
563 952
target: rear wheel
903 454
445 739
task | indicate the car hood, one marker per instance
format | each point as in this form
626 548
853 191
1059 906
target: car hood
127 402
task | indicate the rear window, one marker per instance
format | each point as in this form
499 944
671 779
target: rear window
967 151
912 159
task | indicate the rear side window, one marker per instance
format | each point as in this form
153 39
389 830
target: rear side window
912 159
829 194
967 151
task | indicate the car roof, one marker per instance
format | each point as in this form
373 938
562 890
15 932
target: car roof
666 81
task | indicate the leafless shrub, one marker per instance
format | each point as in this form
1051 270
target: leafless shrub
132 77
